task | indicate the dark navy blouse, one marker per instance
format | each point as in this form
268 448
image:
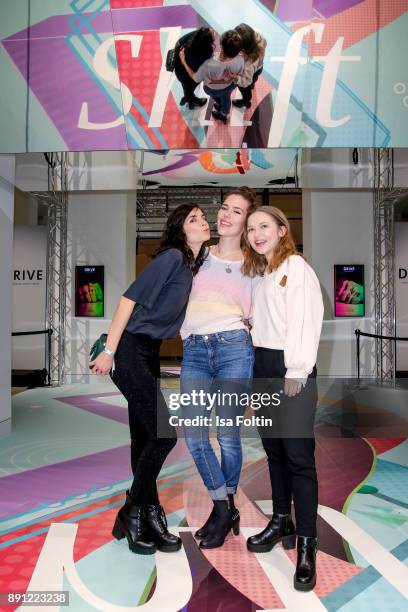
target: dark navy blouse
163 289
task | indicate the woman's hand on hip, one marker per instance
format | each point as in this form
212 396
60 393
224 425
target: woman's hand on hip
101 365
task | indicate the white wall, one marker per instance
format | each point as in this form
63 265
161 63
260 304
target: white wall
101 231
338 229
7 169
29 296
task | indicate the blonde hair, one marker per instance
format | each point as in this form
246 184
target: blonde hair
256 264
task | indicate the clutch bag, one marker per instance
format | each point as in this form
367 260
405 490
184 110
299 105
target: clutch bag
170 59
98 346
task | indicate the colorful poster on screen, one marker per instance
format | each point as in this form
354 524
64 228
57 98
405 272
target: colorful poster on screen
89 291
349 292
89 75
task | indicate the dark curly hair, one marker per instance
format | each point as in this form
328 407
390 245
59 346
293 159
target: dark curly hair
174 237
202 44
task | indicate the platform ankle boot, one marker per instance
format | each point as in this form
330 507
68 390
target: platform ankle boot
305 576
131 524
279 529
158 532
221 526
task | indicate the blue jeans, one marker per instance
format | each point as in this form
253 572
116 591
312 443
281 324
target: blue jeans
221 96
220 363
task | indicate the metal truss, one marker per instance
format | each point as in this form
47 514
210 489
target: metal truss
56 199
385 199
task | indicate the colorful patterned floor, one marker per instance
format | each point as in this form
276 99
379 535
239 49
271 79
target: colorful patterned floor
63 473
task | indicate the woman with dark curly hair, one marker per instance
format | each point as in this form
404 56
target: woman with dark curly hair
151 309
198 47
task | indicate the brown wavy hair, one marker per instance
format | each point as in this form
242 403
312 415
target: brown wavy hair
249 43
256 264
250 196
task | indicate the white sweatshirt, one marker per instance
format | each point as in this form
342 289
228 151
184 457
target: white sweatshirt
288 315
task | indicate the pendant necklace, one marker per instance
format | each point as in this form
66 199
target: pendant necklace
228 269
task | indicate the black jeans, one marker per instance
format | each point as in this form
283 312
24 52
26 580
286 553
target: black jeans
188 84
290 443
246 92
136 374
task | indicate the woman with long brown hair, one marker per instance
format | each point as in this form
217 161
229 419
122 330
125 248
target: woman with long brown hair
287 321
253 51
218 356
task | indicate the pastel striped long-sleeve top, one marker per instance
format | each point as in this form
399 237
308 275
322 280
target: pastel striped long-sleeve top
220 299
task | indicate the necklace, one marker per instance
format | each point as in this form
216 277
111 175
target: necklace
228 269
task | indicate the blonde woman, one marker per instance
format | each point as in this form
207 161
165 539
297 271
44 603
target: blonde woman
287 321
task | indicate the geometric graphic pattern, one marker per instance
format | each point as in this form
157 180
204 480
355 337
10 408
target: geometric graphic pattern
46 485
85 75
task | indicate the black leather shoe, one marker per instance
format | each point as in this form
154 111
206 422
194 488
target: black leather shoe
305 576
279 529
183 101
219 115
241 103
204 531
158 532
222 525
235 518
130 523
197 102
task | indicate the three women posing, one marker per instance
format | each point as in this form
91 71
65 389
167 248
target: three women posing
253 269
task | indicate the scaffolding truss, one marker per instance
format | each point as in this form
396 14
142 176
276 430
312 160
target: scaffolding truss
56 200
386 196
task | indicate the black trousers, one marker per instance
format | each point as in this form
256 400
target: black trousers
188 84
137 374
246 92
289 444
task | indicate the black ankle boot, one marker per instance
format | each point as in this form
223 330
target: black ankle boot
204 531
280 528
197 102
206 528
241 103
221 525
305 576
235 518
219 115
131 523
158 532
